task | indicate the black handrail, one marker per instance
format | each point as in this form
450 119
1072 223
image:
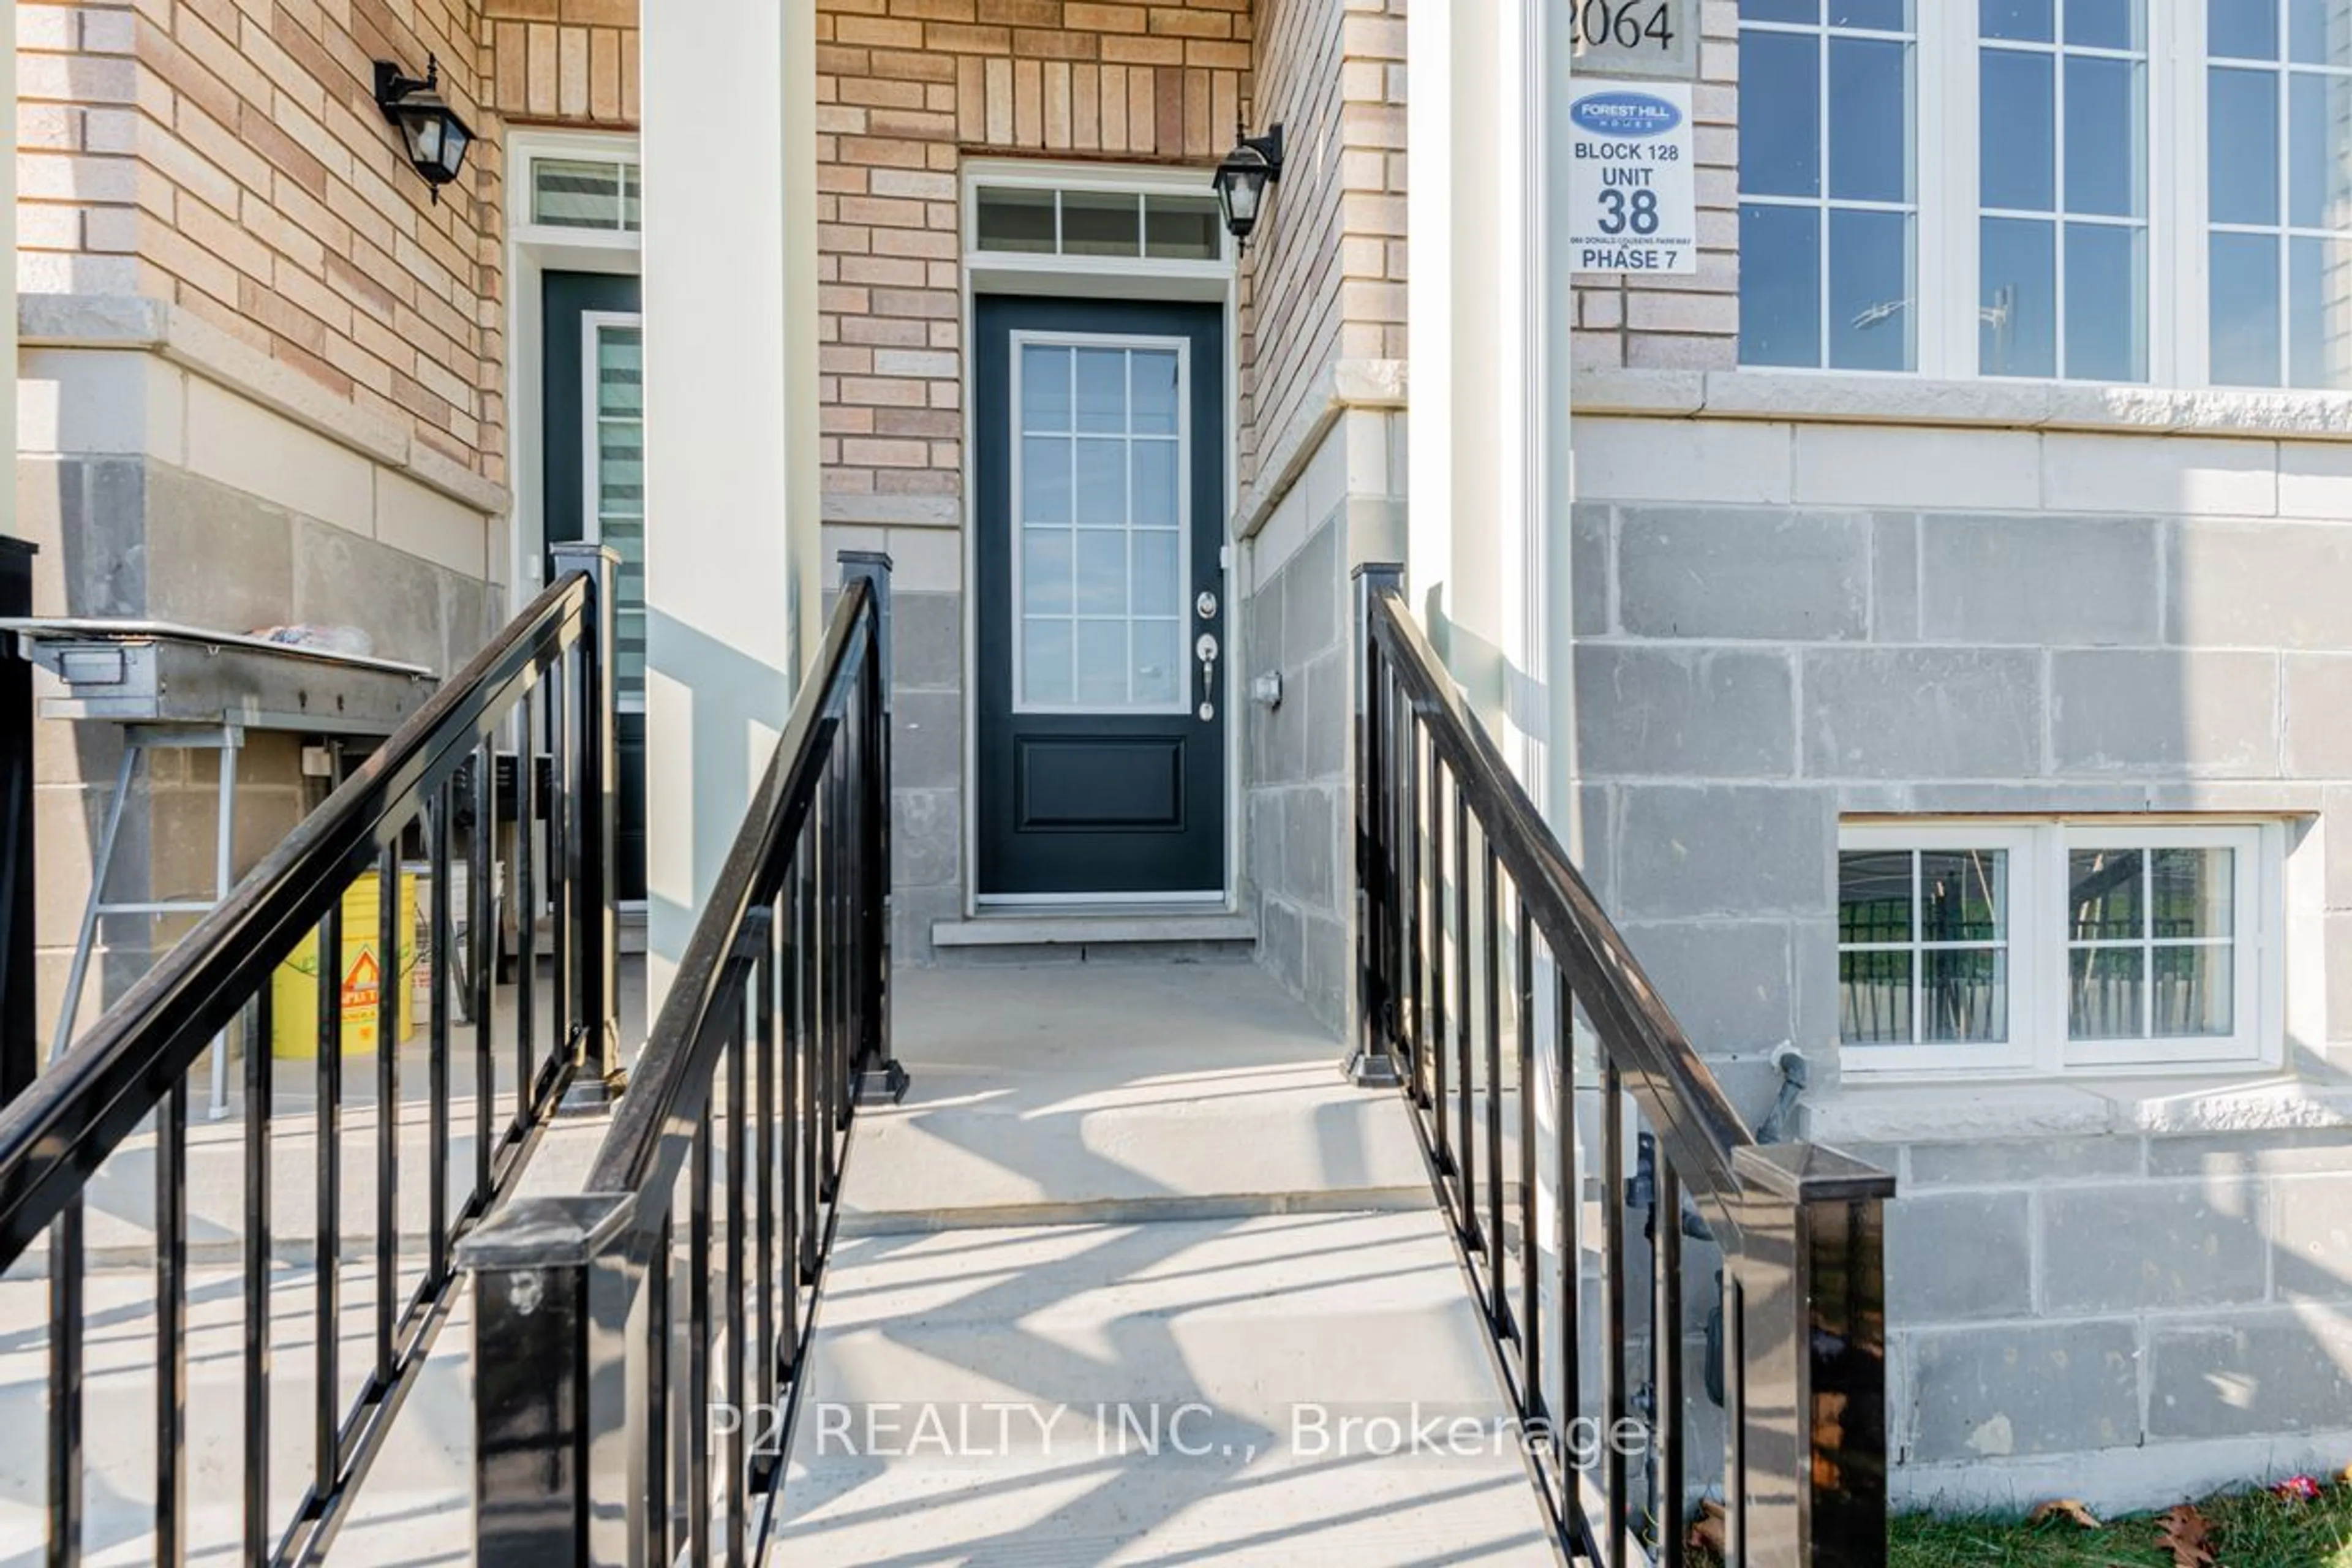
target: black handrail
1802 1319
547 678
594 1383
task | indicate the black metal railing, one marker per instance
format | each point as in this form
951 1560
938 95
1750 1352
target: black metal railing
1479 946
383 1284
639 1343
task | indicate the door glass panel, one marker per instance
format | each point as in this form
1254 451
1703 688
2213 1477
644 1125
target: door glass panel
1115 583
1045 660
618 503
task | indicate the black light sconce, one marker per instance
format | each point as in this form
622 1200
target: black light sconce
436 139
1241 179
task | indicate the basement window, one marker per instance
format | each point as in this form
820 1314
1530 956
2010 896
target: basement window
1153 225
2056 945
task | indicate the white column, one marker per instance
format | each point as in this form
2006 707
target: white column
1474 556
8 230
732 481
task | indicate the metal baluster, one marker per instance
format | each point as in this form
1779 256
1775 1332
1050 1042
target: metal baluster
1466 1182
170 1327
764 1033
257 1281
524 898
562 750
1571 1244
326 1439
660 1327
1439 1041
387 1109
698 1346
737 1388
808 969
1735 1417
827 959
66 1284
841 908
1612 1311
1666 1355
436 1033
482 957
1531 1250
1499 1293
1413 1023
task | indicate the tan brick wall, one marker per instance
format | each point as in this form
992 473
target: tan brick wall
1327 279
227 155
1689 322
905 89
568 61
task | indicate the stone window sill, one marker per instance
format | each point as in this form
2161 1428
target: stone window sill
1980 1111
1852 397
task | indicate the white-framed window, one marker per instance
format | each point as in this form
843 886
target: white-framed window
2110 191
2082 944
612 409
578 186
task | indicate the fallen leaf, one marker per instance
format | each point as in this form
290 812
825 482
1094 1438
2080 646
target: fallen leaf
2186 1534
2065 1508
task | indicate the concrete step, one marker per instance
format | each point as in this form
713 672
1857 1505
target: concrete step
1241 1390
1065 1093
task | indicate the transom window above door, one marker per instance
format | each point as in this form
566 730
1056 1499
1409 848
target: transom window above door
1099 489
1051 220
2114 191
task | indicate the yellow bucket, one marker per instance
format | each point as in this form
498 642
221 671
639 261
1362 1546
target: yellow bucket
294 990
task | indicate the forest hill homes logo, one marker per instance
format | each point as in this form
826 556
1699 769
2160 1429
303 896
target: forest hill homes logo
1625 114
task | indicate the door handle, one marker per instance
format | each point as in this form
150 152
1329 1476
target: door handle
1204 648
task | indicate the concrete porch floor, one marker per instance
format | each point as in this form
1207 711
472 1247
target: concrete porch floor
1140 1255
1131 1236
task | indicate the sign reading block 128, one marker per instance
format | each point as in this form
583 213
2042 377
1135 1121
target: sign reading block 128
1633 201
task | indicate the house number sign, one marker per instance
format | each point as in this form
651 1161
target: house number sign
1632 199
1655 39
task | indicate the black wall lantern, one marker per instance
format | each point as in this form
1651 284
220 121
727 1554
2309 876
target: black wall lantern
1255 162
436 139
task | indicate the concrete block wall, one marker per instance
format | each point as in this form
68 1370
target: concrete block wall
1296 621
2126 1291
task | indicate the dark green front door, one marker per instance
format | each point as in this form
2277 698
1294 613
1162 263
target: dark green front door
593 392
1099 605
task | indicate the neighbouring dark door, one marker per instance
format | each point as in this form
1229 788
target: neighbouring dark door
593 392
1101 467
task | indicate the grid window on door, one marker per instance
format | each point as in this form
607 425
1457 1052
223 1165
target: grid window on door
1828 209
2062 184
617 484
2278 192
1922 946
1099 574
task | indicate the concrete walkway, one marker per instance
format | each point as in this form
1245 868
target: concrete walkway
1137 1277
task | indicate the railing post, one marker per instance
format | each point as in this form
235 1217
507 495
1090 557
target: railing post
554 1477
878 1075
594 879
1371 1062
19 1055
1811 1381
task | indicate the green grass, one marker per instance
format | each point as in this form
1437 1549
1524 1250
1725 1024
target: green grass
2252 1529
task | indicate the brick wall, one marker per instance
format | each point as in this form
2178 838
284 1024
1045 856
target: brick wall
571 61
230 158
905 88
1328 279
1688 322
